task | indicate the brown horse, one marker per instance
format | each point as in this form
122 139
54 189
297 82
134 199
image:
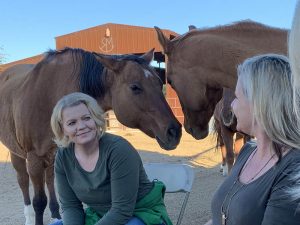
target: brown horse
202 62
124 83
225 130
228 139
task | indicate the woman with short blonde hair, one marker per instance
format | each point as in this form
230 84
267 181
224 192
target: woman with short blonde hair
74 99
101 170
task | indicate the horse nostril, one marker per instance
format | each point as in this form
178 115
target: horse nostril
172 132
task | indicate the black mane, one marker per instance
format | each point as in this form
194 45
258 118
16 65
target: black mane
128 57
91 72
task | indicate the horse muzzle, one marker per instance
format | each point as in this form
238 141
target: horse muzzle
171 138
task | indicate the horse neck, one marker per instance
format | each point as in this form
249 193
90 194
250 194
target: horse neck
50 77
252 36
106 100
220 50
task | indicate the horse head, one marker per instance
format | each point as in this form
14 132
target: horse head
135 95
188 78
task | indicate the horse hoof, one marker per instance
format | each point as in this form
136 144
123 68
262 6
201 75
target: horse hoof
224 170
29 215
221 168
55 221
224 173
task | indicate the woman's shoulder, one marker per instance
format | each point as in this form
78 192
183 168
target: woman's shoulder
112 142
294 154
291 159
117 149
287 172
63 157
247 149
63 151
64 154
109 139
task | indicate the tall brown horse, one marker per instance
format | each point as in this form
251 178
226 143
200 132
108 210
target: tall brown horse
202 62
228 138
124 83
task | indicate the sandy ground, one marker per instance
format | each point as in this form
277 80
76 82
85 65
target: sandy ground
200 154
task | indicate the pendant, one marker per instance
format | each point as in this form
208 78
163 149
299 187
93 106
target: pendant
223 219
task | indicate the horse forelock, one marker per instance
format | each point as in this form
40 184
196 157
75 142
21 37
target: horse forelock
147 69
130 57
150 72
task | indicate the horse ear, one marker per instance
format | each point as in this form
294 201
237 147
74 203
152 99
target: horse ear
163 40
109 62
192 27
148 56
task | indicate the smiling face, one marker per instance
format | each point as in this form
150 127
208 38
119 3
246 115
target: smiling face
79 125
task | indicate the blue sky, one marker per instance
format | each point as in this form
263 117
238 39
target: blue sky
29 27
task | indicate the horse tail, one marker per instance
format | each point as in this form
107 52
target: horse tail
216 131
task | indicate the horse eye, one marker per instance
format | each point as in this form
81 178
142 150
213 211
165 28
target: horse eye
136 89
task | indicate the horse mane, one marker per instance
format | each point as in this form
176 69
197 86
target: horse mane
91 73
239 25
128 57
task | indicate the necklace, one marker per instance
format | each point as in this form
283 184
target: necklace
225 212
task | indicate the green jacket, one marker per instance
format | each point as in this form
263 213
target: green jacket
150 209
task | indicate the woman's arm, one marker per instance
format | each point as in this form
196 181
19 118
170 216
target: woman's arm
124 165
73 213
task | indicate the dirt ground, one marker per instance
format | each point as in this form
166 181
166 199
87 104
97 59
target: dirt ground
200 154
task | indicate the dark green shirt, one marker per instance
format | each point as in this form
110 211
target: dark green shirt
113 188
265 201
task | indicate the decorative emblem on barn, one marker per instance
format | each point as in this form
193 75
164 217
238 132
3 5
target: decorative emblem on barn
106 44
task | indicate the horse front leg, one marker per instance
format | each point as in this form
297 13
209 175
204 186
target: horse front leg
53 204
36 170
23 180
227 137
223 167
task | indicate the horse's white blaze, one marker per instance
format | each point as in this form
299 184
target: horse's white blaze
147 73
29 215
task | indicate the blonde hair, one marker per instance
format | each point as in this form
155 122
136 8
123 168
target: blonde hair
267 83
70 100
294 56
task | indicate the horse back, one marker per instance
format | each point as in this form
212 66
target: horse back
29 94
